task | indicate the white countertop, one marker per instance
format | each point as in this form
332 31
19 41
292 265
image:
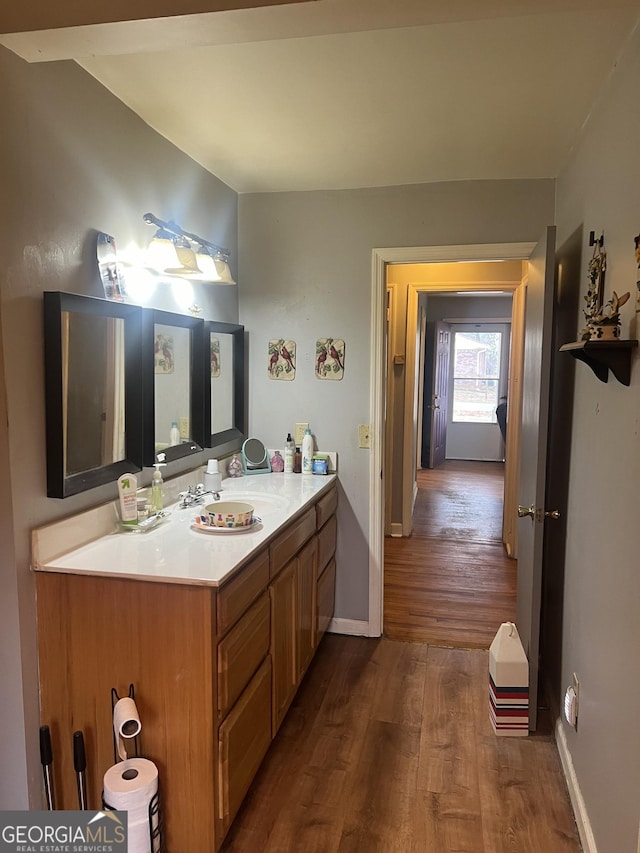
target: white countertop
174 552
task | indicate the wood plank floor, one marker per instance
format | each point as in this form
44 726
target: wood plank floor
388 748
451 583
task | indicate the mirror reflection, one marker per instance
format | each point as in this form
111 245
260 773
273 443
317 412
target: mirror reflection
173 353
93 359
222 400
224 385
93 386
172 399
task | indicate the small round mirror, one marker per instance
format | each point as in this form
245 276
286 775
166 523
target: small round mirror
254 457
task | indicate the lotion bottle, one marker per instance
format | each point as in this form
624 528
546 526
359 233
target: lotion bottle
307 452
174 435
127 489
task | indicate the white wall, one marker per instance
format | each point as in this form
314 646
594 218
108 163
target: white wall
305 272
600 190
73 160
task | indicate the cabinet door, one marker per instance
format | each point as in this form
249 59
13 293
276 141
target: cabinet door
326 598
241 652
243 739
307 561
283 592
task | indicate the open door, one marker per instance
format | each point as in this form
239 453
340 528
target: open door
439 405
533 453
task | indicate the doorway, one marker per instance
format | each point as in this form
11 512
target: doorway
380 360
451 582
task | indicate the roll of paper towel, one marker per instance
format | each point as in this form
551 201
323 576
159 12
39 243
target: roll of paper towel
126 723
130 786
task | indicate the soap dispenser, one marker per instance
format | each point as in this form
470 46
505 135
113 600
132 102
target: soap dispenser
156 488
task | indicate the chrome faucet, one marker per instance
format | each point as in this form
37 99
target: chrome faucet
194 495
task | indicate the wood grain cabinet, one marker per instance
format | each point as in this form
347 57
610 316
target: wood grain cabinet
215 671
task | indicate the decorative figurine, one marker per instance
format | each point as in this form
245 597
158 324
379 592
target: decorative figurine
234 468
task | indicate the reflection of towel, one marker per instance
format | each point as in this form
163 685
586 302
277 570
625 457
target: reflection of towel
501 415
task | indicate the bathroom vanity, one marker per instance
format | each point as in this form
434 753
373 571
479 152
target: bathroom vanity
215 632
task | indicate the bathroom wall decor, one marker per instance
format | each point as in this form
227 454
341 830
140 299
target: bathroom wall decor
282 359
215 357
329 358
163 353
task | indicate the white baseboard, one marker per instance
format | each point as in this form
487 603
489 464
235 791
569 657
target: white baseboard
352 627
575 794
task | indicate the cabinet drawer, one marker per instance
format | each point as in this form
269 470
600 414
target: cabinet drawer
236 595
327 543
290 542
326 507
242 651
243 739
326 599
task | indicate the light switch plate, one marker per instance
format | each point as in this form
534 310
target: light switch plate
364 435
183 426
299 433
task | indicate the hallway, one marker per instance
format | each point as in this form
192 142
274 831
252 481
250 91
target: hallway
450 583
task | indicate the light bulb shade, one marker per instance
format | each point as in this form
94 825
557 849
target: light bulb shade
161 254
223 270
207 266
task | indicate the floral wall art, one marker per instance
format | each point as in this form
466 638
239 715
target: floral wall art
282 359
329 358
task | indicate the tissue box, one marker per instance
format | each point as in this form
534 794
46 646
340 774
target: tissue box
508 683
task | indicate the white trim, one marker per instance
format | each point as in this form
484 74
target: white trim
352 627
575 794
396 529
379 259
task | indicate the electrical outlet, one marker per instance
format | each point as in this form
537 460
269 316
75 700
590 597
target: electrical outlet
364 435
299 433
576 688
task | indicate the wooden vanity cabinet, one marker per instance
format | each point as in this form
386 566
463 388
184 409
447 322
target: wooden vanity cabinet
215 671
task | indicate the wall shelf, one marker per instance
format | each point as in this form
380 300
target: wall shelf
605 356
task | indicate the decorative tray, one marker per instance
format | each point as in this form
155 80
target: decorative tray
146 525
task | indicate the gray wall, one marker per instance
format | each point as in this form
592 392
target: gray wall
305 271
599 190
73 160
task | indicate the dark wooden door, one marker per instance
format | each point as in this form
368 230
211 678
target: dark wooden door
440 397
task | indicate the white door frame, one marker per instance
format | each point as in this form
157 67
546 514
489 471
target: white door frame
379 260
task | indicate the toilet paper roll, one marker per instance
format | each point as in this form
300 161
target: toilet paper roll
126 723
130 786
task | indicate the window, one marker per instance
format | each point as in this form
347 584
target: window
476 375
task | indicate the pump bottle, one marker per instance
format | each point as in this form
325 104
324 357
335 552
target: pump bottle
156 488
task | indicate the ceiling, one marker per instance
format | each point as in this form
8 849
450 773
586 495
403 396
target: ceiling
338 94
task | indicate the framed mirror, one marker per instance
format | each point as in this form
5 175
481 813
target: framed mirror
173 385
224 383
93 391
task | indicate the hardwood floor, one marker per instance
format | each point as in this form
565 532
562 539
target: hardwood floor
451 583
388 748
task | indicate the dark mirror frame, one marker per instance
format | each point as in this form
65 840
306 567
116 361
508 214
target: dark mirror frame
151 317
55 304
236 432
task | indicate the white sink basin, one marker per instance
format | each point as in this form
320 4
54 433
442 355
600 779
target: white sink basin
263 504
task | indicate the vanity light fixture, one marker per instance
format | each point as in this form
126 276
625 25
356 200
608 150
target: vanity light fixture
176 252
